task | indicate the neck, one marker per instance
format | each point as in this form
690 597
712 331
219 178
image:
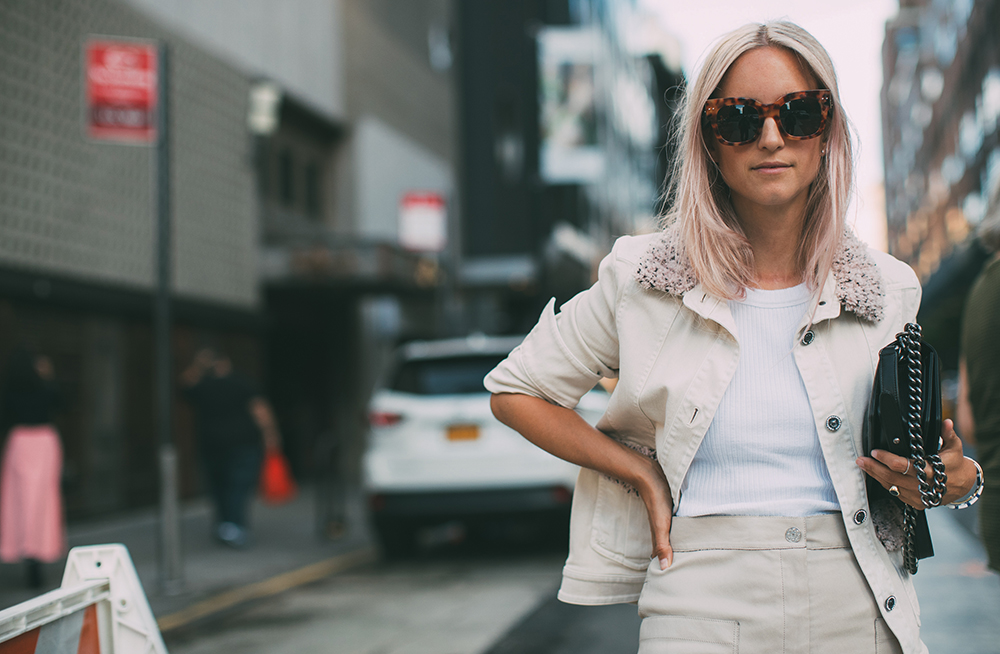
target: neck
774 234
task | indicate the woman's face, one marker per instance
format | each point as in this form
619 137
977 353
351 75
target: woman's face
772 172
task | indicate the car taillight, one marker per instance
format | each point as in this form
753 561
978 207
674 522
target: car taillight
383 418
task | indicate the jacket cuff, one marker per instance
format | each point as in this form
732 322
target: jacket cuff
588 589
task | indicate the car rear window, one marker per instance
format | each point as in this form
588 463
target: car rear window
446 376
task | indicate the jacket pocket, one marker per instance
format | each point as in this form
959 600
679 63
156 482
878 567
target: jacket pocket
684 635
621 525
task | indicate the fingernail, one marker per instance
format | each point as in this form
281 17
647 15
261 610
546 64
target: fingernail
664 564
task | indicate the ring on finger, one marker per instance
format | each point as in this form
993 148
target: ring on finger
894 491
907 467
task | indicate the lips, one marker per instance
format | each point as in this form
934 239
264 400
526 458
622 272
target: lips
772 165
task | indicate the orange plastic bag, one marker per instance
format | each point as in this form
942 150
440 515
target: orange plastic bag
277 485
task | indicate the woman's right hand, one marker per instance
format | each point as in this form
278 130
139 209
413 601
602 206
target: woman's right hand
655 493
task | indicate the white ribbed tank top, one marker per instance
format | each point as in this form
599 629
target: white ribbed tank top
761 454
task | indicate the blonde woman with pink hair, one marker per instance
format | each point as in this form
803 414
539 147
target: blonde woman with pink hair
724 488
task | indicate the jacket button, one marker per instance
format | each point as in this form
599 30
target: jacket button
793 535
860 517
808 337
833 423
890 603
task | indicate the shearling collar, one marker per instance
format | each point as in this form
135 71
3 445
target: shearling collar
859 286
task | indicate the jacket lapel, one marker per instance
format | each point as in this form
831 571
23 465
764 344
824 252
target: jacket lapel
710 308
828 306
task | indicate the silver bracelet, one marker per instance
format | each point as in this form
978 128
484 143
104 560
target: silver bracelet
973 495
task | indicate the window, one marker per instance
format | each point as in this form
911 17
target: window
449 376
313 198
286 177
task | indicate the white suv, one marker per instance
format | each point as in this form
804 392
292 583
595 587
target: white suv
436 453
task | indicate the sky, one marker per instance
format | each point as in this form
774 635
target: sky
852 32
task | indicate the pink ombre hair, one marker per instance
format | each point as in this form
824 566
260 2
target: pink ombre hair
713 238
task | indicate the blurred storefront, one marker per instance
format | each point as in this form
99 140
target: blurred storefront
77 249
296 132
940 108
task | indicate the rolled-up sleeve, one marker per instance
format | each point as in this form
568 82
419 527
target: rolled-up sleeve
566 354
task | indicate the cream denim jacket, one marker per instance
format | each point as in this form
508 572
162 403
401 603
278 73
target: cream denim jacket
674 350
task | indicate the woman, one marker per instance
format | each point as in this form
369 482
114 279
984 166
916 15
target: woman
31 514
744 337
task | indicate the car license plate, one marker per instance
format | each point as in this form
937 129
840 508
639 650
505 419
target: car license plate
463 432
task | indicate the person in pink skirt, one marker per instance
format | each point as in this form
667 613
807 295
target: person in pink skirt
32 528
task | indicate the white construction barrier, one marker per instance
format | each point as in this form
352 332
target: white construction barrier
100 608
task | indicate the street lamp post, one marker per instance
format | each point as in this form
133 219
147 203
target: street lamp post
171 577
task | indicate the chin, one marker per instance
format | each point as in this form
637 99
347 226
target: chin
769 199
776 195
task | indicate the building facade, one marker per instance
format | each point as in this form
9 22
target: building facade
77 239
562 118
941 107
350 108
295 128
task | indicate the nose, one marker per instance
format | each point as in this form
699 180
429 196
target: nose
770 136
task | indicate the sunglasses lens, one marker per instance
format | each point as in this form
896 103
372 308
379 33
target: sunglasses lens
802 117
738 123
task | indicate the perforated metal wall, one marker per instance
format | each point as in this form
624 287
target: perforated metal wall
70 206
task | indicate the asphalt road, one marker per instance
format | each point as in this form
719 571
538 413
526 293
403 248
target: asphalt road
469 598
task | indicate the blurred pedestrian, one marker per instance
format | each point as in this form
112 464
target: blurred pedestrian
979 384
723 489
235 423
32 528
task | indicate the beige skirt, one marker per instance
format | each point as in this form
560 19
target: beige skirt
747 585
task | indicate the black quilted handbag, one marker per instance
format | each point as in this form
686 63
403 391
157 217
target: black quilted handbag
904 417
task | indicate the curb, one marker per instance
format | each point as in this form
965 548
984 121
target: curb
266 588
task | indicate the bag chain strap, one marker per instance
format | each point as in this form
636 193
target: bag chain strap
931 494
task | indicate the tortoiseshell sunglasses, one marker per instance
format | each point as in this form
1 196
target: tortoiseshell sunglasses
800 115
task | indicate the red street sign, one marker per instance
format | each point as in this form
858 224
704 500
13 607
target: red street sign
120 90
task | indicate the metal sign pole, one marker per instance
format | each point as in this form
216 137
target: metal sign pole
170 534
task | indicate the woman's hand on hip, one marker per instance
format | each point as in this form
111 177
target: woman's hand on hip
655 493
562 432
897 472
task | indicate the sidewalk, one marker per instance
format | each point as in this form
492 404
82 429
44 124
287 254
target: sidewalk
285 551
959 597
